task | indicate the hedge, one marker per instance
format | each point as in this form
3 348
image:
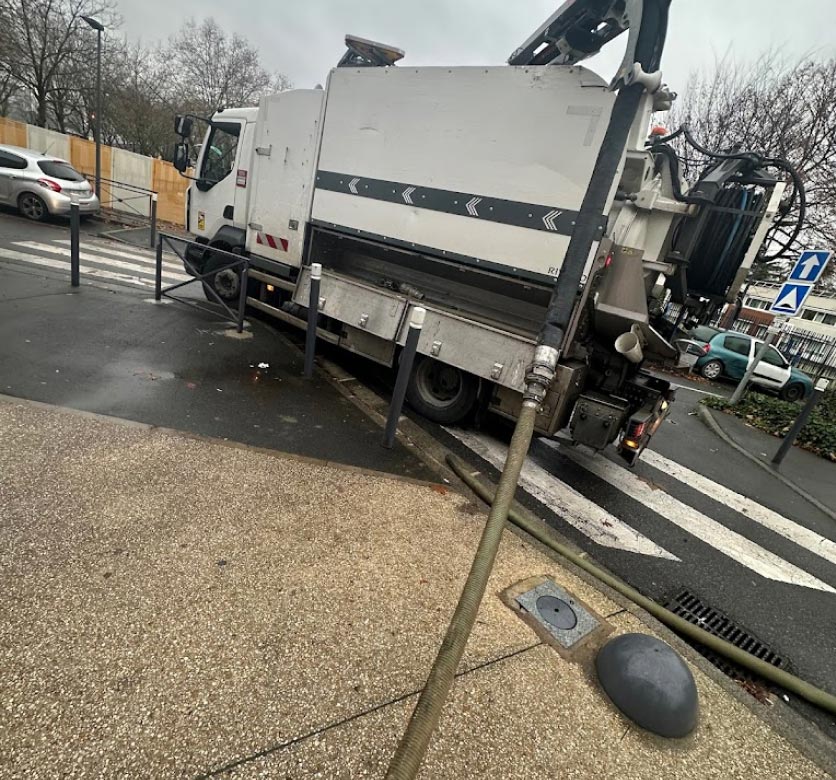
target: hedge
775 416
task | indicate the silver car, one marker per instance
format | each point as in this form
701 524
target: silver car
40 185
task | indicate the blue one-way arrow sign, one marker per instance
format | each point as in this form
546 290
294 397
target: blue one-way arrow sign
790 298
809 266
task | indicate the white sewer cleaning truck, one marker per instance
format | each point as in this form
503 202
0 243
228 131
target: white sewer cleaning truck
457 189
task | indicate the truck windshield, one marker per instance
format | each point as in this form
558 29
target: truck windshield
219 153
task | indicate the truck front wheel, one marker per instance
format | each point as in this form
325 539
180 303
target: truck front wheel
441 393
227 282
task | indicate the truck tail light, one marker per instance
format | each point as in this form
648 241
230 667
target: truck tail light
50 184
241 178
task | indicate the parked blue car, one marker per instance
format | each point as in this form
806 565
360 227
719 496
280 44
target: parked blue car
728 354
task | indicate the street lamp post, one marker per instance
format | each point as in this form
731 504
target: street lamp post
99 28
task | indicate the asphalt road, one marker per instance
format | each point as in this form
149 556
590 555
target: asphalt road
693 515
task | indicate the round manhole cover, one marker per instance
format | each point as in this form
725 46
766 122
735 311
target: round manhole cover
557 612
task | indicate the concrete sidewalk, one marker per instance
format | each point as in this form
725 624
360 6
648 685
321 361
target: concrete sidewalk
178 607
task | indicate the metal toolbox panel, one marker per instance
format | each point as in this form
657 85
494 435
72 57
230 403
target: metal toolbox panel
487 352
367 308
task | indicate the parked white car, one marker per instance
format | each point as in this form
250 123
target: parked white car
39 185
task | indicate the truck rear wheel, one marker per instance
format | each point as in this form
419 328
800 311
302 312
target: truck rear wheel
441 393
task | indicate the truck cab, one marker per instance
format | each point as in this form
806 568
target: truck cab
217 202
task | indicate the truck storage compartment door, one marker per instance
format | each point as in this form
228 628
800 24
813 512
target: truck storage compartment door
282 177
486 352
371 310
477 165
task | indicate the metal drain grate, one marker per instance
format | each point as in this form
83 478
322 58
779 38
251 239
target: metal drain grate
689 606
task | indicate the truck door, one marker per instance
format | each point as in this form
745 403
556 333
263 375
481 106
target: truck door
215 201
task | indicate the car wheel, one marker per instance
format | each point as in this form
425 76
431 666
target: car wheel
441 393
32 207
792 393
227 282
712 369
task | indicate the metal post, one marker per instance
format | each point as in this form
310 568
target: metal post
242 297
741 388
153 220
75 225
158 281
99 114
404 370
800 421
313 318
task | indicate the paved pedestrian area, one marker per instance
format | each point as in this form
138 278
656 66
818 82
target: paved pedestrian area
178 607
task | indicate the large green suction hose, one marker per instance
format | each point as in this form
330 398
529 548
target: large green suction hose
413 745
787 681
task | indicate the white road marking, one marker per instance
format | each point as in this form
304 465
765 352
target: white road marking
585 515
762 515
101 259
64 265
130 254
728 542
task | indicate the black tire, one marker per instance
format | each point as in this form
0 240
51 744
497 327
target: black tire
793 392
441 393
713 369
227 283
32 207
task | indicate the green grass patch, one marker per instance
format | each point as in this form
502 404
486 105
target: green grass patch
774 416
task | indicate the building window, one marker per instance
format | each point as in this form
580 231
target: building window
818 316
756 303
742 326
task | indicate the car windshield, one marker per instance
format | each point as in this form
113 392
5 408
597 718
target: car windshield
60 170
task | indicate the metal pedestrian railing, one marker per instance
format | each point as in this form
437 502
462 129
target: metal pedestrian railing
238 263
124 199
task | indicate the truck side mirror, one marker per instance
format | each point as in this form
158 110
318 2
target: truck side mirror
181 156
183 126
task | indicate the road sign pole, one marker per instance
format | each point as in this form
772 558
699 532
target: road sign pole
800 422
741 388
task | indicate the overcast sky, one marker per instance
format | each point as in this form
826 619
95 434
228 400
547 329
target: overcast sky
304 38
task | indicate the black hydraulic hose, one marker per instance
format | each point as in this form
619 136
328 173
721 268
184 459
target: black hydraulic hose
790 682
586 230
413 745
649 45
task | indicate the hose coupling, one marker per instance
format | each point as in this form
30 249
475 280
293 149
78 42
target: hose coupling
540 374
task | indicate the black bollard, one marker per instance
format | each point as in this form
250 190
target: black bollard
242 298
404 370
153 240
158 282
75 228
313 318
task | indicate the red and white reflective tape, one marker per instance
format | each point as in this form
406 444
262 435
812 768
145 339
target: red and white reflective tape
272 241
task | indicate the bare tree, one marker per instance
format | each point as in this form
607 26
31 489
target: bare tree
779 109
44 45
209 70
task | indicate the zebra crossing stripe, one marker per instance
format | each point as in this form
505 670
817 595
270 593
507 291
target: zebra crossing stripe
581 513
723 539
100 260
63 265
170 261
794 532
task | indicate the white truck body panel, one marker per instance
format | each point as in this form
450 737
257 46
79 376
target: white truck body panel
283 164
498 159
